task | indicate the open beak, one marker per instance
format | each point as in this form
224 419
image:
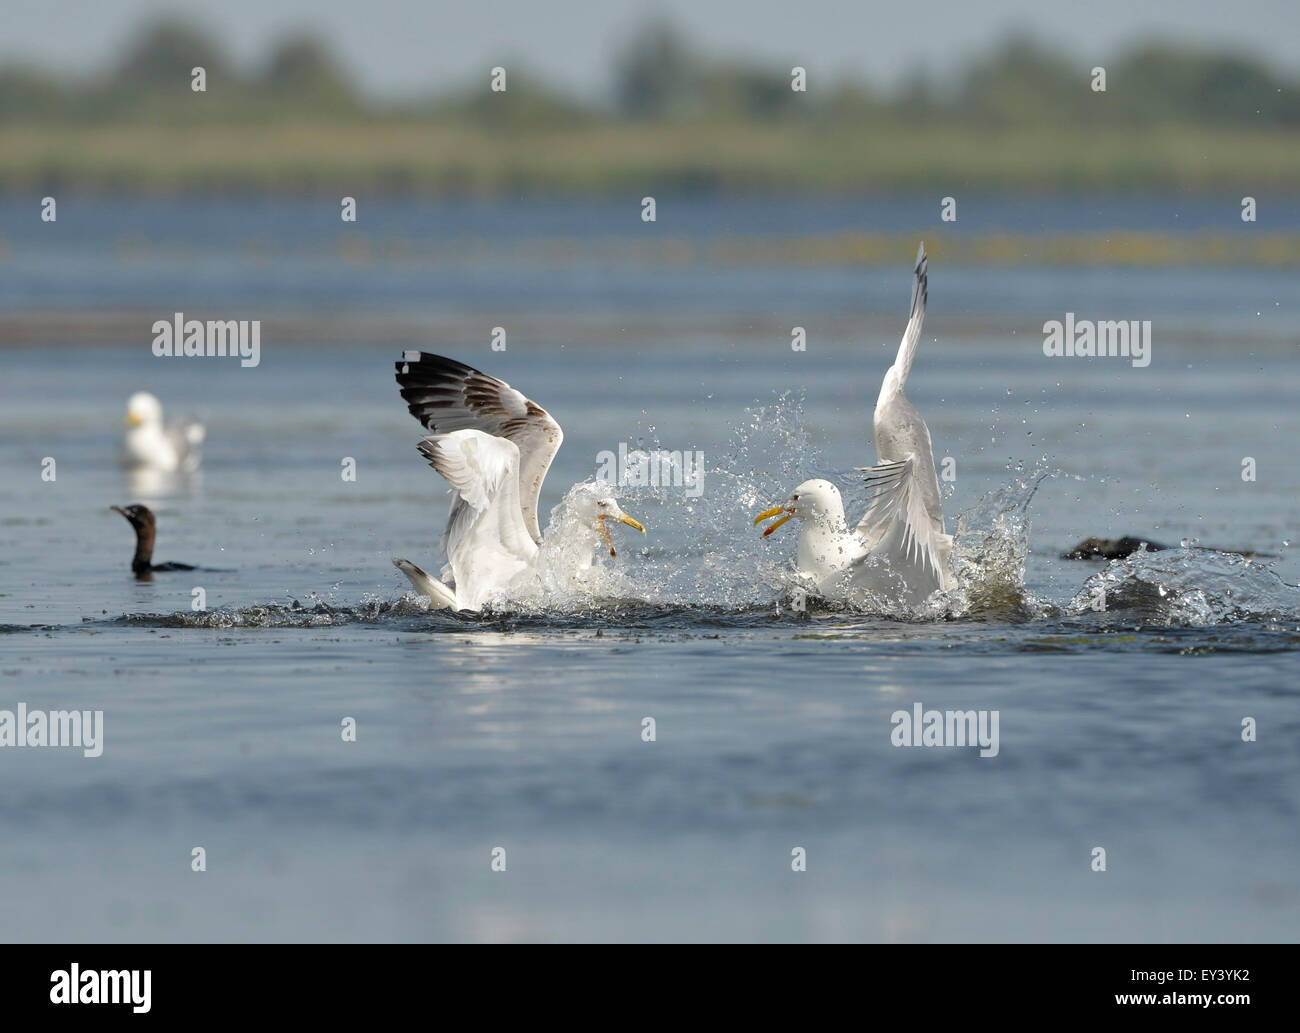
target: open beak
774 511
119 509
609 538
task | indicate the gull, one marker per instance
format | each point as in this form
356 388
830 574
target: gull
494 446
151 446
898 550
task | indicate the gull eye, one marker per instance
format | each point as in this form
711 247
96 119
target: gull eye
795 498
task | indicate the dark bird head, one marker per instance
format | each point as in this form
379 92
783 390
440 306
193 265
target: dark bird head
141 518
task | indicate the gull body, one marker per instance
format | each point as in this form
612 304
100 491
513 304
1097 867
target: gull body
826 543
899 550
494 446
149 445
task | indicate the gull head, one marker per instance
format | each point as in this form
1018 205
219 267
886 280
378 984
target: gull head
606 510
596 508
143 409
812 500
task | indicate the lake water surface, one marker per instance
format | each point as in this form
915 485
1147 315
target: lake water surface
522 729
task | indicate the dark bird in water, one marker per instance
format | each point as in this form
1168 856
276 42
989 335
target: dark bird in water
142 564
1110 548
1118 548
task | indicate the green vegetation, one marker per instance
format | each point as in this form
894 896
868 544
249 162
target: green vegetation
1018 118
439 159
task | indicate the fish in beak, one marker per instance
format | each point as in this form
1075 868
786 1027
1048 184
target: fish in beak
622 518
774 511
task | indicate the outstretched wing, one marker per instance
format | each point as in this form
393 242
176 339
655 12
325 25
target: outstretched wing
446 395
898 428
906 515
915 320
486 540
900 523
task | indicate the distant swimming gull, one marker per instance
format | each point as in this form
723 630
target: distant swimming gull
142 565
150 445
899 550
493 446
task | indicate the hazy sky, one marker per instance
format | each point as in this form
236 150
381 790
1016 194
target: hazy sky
402 46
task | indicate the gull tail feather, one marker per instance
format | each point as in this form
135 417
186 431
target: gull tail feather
443 598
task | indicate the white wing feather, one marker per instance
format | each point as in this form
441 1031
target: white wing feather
899 522
486 541
915 317
447 396
905 519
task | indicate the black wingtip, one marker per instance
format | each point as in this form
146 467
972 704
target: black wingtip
422 369
424 376
921 278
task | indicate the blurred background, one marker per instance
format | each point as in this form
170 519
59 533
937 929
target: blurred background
605 98
532 196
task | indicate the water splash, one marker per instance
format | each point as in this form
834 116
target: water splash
704 552
1188 586
574 569
289 615
991 547
703 560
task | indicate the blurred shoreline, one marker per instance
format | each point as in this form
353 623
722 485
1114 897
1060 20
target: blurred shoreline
1025 115
412 159
708 248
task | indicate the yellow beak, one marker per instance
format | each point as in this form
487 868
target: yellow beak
774 511
133 419
625 519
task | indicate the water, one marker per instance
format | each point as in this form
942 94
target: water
522 729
